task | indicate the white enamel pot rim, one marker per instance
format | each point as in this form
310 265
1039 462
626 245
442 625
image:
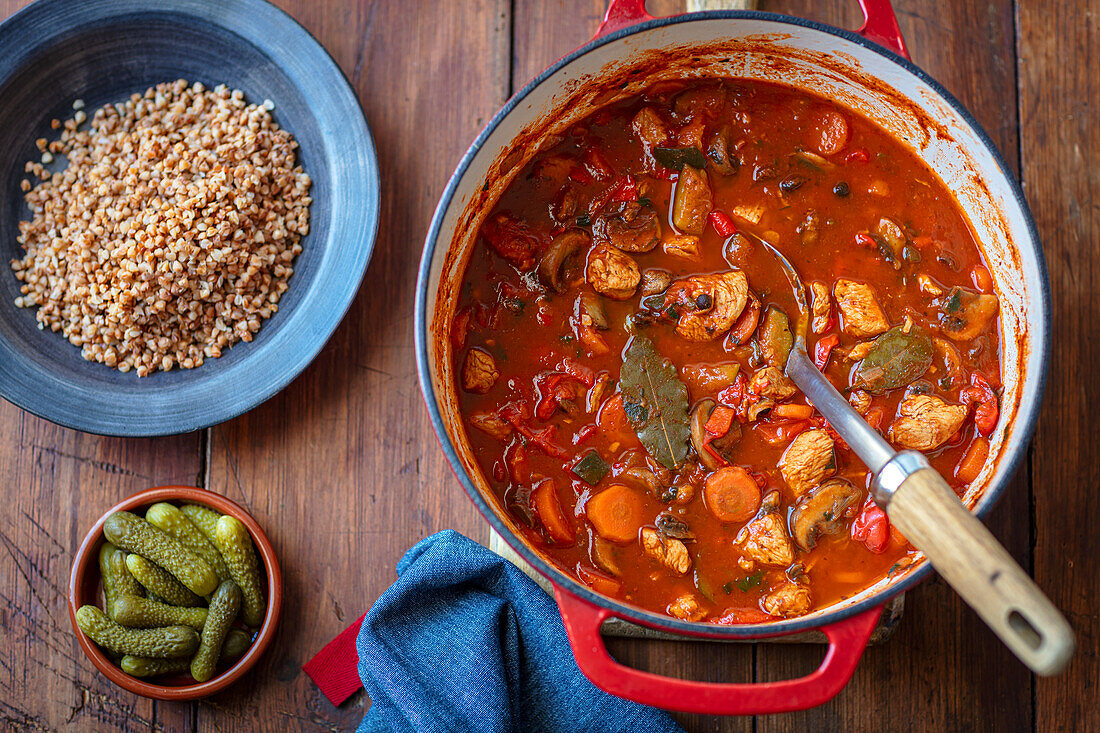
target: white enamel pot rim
1023 286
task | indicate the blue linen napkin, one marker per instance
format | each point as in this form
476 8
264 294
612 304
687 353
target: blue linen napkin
464 641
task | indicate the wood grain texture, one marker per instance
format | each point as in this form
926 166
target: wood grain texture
342 468
1059 47
58 482
344 472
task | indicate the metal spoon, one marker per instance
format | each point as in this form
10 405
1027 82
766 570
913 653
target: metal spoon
917 499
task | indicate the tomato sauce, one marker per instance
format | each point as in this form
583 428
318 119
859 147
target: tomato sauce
597 244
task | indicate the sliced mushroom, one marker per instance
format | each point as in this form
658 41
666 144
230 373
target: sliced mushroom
821 511
720 154
589 309
655 281
604 554
965 313
635 228
892 233
672 526
564 246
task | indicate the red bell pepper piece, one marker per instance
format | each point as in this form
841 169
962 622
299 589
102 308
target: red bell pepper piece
625 190
981 394
860 155
722 223
865 240
585 433
733 396
577 371
719 422
823 348
871 527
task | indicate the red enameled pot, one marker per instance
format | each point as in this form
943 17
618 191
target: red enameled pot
867 71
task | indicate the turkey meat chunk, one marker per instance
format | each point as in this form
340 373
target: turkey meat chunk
710 303
808 460
765 539
926 422
479 371
789 599
771 382
861 312
672 553
612 273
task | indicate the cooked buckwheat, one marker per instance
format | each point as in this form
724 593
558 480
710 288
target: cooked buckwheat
171 234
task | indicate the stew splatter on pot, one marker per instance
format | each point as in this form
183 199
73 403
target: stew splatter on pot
619 347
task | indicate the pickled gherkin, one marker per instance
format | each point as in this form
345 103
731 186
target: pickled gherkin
159 582
235 545
152 667
224 606
117 580
133 534
144 613
236 644
205 519
172 521
169 641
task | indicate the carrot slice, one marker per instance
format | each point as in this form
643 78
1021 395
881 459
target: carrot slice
616 513
731 494
612 417
598 581
971 464
548 507
793 412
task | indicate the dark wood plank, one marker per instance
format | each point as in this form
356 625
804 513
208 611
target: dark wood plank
1060 148
937 667
342 468
58 482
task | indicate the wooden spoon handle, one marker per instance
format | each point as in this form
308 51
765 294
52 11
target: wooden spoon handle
968 557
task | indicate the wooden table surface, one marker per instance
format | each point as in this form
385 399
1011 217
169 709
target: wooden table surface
344 472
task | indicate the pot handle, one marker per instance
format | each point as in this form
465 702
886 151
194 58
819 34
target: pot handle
879 23
881 26
847 640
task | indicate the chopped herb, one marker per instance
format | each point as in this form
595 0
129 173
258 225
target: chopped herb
728 588
672 313
584 220
645 201
591 468
753 580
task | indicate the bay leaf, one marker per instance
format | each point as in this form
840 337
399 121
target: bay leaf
656 402
896 360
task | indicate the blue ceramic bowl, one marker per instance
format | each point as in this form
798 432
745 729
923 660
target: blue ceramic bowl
100 51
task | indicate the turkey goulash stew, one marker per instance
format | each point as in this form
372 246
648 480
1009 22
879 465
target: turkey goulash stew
619 348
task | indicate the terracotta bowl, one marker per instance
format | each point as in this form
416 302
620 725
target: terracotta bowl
85 589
